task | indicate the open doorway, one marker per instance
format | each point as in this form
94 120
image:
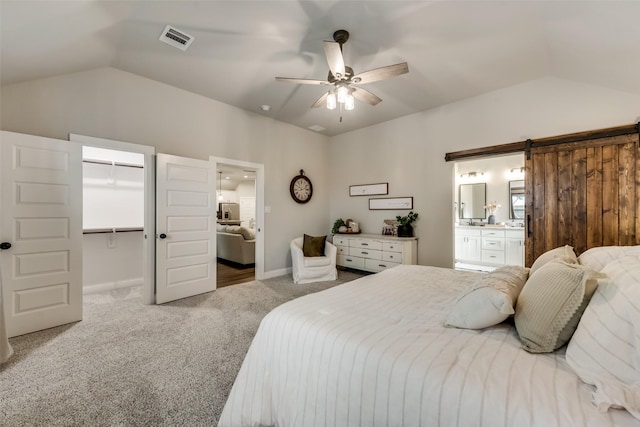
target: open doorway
112 219
118 215
239 222
235 224
489 212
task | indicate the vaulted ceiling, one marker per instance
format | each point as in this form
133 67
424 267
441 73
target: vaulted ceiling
455 49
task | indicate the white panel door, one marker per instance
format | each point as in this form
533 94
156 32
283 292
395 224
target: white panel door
185 218
41 208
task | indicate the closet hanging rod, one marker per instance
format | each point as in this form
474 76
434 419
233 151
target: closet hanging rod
111 230
106 162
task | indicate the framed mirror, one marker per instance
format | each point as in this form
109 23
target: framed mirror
472 199
516 199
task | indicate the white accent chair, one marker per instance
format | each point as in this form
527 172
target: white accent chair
313 269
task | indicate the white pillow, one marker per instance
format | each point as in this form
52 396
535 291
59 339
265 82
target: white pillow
550 305
605 349
597 258
563 253
489 300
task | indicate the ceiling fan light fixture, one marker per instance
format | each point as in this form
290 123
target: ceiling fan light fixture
343 92
349 103
331 101
341 78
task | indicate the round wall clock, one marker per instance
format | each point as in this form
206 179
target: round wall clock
301 189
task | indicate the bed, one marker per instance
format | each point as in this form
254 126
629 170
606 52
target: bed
374 352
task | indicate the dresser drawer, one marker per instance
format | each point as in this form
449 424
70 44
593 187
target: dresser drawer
342 250
378 265
365 253
350 261
391 247
493 244
493 257
492 233
340 241
366 244
392 256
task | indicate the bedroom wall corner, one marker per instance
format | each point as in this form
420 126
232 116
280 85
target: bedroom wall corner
408 152
114 104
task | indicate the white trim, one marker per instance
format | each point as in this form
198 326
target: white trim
277 273
259 168
109 286
149 247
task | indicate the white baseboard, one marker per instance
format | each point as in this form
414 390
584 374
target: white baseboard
108 286
277 273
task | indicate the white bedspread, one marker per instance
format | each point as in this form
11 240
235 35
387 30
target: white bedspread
373 352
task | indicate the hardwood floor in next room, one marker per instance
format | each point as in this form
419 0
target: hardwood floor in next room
232 274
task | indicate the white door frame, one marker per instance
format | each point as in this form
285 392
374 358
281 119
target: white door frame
148 244
259 168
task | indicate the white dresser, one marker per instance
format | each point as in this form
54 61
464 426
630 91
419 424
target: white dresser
375 253
490 246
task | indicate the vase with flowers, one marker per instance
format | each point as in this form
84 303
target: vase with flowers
405 229
492 208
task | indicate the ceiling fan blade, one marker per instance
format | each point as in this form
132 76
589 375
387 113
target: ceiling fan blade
366 96
321 101
302 81
381 73
334 59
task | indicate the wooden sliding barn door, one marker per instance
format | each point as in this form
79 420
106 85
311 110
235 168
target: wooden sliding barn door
584 194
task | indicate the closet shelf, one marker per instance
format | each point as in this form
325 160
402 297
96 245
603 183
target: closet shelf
111 230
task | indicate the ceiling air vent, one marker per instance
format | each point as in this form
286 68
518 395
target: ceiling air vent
176 38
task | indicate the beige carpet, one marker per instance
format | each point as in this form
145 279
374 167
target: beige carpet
128 364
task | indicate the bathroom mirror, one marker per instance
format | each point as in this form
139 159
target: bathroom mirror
472 199
516 199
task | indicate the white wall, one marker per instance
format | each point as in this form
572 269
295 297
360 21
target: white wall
105 267
114 104
246 189
408 153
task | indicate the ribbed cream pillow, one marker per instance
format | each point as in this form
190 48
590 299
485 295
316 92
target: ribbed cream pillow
563 253
550 305
489 300
605 350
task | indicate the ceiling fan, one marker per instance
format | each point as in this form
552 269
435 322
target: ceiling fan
342 81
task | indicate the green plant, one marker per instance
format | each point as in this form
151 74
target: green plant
336 225
407 219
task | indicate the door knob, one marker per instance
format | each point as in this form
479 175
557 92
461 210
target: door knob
5 245
163 236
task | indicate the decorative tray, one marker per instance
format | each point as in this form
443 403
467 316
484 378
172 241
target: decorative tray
349 232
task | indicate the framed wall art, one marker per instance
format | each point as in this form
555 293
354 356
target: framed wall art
369 189
390 203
